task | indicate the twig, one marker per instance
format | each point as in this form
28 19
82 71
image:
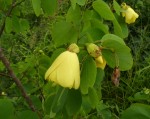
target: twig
16 80
2 74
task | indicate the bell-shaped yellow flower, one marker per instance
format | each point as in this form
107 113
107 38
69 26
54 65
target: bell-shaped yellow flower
100 62
129 14
65 70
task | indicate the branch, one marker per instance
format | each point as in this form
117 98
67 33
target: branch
16 80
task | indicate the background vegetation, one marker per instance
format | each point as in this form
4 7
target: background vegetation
26 42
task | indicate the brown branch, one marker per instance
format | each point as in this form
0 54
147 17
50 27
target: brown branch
16 80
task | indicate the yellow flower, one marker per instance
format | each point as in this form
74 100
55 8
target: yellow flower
65 70
100 62
129 14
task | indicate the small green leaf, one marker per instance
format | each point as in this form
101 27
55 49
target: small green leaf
27 114
113 37
7 109
74 15
24 24
137 111
88 74
59 101
73 102
117 28
101 26
64 32
116 7
8 25
81 2
116 53
93 98
49 6
37 6
103 9
16 24
73 3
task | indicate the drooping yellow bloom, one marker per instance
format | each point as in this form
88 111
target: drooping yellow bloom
65 70
100 62
129 14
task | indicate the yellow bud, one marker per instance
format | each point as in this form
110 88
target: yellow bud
73 48
93 49
100 62
129 14
65 70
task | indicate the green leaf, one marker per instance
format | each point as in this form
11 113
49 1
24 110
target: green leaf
137 111
116 7
49 6
64 32
73 102
8 25
99 25
36 6
116 53
113 37
88 74
103 9
16 24
81 2
117 28
7 109
24 24
74 15
73 3
59 101
27 114
93 98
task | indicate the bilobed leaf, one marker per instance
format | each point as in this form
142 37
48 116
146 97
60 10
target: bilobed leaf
93 98
88 74
49 6
36 6
103 9
116 7
8 25
74 15
73 102
137 111
64 32
116 52
7 109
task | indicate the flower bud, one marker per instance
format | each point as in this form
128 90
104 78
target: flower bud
73 48
129 14
93 49
100 62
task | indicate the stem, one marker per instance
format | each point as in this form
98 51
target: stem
16 80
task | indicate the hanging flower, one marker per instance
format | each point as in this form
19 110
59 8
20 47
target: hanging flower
100 62
129 14
65 70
